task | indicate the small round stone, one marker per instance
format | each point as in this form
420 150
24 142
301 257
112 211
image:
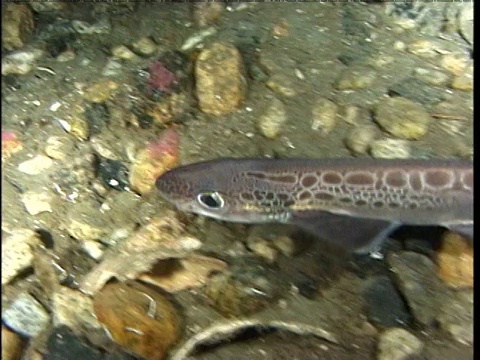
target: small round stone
390 149
402 118
398 344
145 46
122 52
324 116
356 78
273 119
359 139
36 165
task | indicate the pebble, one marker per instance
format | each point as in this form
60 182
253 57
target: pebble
47 6
423 48
94 249
464 81
86 222
197 38
58 147
221 85
244 289
65 56
102 26
272 120
417 280
25 315
454 63
456 317
207 13
35 165
280 29
112 68
324 116
360 139
402 118
77 124
356 77
381 60
398 344
17 25
399 45
431 76
351 114
262 248
285 245
384 304
281 84
390 149
36 202
12 345
17 252
455 261
20 62
168 109
138 318
101 91
124 53
145 46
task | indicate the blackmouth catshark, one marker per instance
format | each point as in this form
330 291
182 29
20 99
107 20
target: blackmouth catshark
355 203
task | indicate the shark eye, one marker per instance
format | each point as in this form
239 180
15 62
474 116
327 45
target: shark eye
211 200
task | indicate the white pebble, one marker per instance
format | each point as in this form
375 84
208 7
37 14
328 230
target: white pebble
17 252
390 149
55 106
26 315
36 203
94 249
36 165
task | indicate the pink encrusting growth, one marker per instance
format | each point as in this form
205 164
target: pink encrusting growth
161 79
10 144
166 144
153 160
8 136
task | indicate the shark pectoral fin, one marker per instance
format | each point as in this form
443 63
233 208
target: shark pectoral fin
356 234
463 229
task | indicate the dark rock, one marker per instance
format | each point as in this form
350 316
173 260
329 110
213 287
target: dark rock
247 288
417 280
63 344
417 90
427 18
355 54
306 285
384 305
97 116
358 20
145 121
113 173
421 246
55 46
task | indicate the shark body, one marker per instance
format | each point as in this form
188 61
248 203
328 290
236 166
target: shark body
355 203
